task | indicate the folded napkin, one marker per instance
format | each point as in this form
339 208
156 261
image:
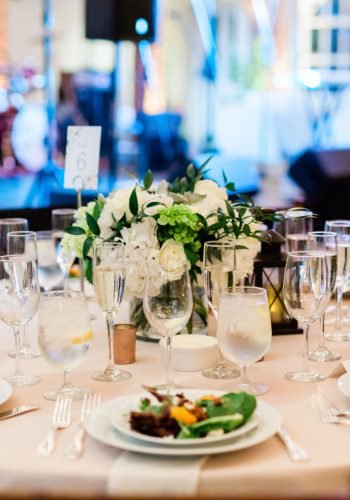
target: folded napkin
341 368
135 474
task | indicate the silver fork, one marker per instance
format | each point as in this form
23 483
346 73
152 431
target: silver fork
75 449
295 451
60 420
320 399
325 412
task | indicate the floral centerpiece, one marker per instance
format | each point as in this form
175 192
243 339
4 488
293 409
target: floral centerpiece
168 221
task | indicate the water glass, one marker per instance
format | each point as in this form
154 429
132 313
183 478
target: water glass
167 303
19 301
7 225
61 219
298 223
65 337
50 274
109 281
245 331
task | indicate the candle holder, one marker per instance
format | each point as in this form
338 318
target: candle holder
124 344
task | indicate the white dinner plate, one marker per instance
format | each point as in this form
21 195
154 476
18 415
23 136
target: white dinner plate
5 391
344 384
99 426
120 420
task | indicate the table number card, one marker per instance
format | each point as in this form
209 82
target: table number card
82 158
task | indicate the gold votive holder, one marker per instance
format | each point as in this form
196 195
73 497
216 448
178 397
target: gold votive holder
124 343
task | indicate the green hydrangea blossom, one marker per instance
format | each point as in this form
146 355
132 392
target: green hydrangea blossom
178 222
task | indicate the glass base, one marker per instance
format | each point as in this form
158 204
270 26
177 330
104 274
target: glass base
323 354
255 389
165 387
111 375
25 352
305 376
337 336
221 373
71 391
19 380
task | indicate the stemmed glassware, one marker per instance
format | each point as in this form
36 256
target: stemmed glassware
23 243
326 243
167 303
244 331
342 229
109 282
307 288
298 223
61 218
64 337
19 301
219 263
50 274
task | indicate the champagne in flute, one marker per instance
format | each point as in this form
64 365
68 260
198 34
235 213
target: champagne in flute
109 282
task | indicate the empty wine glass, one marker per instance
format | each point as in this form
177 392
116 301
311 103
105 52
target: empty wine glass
245 331
298 223
50 274
23 243
64 337
109 281
326 243
307 288
6 226
342 229
167 303
219 263
19 301
61 218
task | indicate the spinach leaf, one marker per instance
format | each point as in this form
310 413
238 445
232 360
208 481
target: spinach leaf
240 402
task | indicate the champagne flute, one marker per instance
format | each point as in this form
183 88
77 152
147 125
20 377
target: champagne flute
219 262
61 218
326 243
64 337
23 243
307 288
19 301
109 282
244 331
298 223
342 229
167 303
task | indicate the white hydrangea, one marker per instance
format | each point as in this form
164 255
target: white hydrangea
214 197
72 243
245 257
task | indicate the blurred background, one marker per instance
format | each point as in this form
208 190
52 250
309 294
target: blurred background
263 85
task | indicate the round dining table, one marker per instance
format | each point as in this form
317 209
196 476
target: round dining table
264 470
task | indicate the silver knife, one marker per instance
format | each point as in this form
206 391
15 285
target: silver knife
17 411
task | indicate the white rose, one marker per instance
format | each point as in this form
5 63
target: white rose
172 257
214 197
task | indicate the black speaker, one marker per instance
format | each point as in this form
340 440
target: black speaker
116 20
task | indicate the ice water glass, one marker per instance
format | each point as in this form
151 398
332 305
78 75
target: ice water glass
65 337
298 223
244 331
50 274
7 225
167 303
61 219
19 301
307 288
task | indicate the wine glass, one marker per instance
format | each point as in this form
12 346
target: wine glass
19 301
326 243
167 303
109 282
219 263
7 225
298 223
307 288
342 229
64 337
50 274
61 218
23 243
245 331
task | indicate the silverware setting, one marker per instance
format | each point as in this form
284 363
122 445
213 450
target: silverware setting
295 451
75 449
18 410
61 419
327 411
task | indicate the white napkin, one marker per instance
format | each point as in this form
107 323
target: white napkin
134 473
341 368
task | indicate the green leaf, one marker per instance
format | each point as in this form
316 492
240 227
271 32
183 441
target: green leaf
87 245
148 180
202 167
229 208
93 226
230 186
224 176
88 270
240 402
97 210
202 220
225 422
191 255
75 230
191 171
133 202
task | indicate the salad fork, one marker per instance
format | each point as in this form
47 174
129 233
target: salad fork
60 420
321 400
326 412
75 449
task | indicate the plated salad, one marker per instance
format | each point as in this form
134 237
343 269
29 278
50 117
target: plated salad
176 417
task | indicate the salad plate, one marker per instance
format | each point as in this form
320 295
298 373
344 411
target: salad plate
121 414
5 391
344 384
99 427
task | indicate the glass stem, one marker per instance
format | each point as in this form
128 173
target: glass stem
168 363
110 325
220 362
17 330
65 281
338 313
305 366
25 341
244 375
322 344
67 378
